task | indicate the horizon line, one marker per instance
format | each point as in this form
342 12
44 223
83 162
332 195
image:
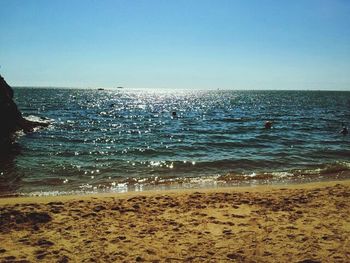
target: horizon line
175 89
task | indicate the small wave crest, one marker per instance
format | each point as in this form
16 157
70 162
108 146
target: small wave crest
33 118
335 171
327 169
38 119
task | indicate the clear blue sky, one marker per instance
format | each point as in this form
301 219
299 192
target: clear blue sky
226 44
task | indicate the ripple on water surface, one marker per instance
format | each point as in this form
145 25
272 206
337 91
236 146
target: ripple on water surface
127 140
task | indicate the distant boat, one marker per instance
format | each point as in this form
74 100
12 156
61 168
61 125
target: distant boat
100 89
120 87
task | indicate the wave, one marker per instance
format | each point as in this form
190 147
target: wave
38 119
333 171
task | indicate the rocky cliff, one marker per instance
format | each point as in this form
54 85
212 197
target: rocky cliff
11 119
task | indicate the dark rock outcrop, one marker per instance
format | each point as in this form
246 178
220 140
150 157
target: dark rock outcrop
11 119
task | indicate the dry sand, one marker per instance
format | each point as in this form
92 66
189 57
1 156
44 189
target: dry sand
300 223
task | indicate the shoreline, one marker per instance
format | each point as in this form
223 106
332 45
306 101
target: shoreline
176 190
272 223
192 183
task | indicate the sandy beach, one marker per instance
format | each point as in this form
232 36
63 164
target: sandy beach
296 223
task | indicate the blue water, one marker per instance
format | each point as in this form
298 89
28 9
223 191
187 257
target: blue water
120 140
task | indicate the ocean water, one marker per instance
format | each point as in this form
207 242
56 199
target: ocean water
122 140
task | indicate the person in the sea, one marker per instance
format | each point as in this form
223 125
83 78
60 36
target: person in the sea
268 125
344 131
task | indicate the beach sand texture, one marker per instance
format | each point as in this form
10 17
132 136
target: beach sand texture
300 223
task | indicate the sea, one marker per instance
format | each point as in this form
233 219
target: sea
120 140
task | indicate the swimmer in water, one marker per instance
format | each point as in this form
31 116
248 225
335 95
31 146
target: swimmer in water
344 131
268 125
174 114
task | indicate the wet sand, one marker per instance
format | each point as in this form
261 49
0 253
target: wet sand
298 223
